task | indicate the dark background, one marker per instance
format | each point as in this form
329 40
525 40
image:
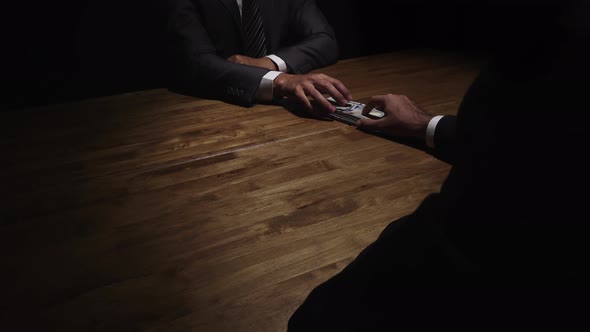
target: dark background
67 50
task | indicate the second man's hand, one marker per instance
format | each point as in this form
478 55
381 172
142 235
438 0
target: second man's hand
402 117
303 87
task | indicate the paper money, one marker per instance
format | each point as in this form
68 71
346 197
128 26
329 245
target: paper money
352 112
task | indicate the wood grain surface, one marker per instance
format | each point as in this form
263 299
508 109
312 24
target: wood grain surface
153 211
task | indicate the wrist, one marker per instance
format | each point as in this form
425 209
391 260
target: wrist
267 64
279 84
265 90
423 127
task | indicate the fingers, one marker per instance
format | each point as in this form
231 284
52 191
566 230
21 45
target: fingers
319 98
375 102
331 86
300 94
328 88
320 83
369 124
342 89
313 86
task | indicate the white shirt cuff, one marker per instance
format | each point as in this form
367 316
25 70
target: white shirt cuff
431 129
265 92
279 62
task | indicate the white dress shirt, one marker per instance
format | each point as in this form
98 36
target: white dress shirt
265 92
431 129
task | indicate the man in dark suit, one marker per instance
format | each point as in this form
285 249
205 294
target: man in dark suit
248 51
505 241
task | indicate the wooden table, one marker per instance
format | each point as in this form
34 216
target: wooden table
157 211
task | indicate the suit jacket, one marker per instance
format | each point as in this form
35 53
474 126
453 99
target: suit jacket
510 206
206 32
510 221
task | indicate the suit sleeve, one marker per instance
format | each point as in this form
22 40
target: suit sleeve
445 139
197 70
316 47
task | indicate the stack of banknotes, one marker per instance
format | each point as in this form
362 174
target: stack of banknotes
352 112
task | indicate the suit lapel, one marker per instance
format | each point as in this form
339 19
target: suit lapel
232 7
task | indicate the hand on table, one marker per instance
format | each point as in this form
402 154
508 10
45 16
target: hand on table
303 87
402 116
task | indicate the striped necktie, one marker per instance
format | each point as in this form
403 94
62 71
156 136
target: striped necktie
254 40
